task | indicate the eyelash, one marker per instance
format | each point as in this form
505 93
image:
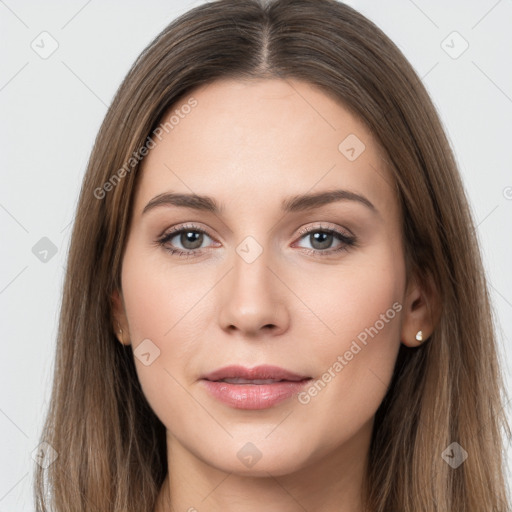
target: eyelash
347 241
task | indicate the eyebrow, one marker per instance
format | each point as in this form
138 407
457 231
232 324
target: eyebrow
297 203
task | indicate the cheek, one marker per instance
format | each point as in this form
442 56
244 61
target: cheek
166 315
350 299
160 300
356 357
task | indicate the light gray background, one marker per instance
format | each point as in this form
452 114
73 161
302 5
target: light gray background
52 108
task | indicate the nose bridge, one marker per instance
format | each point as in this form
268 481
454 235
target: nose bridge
250 276
251 297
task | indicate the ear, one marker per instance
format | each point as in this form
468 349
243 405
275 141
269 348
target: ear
421 311
120 323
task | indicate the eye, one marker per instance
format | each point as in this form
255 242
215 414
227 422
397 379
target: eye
184 240
321 240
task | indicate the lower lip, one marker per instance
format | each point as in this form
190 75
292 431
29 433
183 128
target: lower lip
254 396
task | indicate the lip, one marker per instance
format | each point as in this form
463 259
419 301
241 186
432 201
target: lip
262 372
252 395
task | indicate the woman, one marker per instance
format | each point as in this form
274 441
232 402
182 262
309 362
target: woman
207 358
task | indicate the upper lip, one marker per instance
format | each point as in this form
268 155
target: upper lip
258 372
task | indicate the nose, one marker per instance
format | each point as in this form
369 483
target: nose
253 299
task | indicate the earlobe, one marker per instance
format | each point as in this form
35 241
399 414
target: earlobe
120 324
421 312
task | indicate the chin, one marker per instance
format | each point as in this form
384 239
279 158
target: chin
258 459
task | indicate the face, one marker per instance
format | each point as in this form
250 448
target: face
314 286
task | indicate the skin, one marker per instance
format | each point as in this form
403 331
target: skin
249 145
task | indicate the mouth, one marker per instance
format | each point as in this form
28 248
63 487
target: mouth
261 387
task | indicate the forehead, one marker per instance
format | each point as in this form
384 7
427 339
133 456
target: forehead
262 140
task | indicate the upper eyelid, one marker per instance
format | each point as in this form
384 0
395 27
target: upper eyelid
310 229
185 227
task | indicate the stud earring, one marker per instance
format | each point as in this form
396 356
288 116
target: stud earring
419 336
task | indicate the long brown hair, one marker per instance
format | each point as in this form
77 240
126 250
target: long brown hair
111 447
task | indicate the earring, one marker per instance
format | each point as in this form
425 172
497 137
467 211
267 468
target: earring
120 332
419 336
